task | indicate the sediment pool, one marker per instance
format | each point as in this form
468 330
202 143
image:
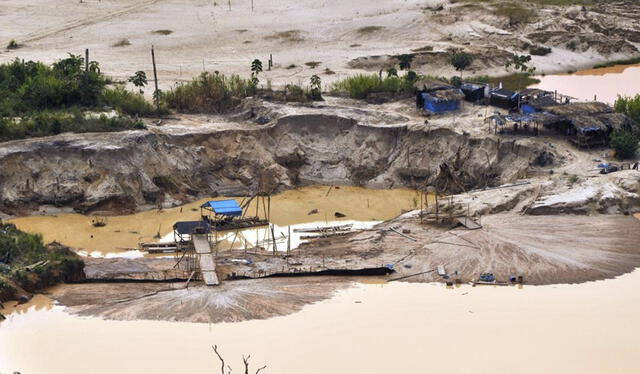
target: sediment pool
369 328
604 84
123 233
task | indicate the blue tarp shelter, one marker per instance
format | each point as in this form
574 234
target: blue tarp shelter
223 207
442 100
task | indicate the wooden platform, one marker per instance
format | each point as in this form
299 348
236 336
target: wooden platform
206 259
171 247
239 223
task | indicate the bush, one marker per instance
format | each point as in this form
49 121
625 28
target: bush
209 93
539 50
629 106
33 86
53 123
515 13
361 85
456 81
625 143
128 102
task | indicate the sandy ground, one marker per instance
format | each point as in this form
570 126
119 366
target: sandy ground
209 36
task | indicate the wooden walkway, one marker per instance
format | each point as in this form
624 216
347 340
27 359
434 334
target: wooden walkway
206 258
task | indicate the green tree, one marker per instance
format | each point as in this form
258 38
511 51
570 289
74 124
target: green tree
461 61
392 72
520 63
139 79
629 106
625 143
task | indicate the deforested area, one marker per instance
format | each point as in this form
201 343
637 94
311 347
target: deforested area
281 182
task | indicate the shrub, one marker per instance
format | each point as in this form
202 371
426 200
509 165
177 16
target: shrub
625 143
629 106
539 50
13 44
127 102
53 123
515 13
209 93
456 81
361 85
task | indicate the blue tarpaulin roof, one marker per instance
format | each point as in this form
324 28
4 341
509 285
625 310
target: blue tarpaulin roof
224 207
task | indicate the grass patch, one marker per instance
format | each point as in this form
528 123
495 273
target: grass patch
313 64
369 30
57 122
515 13
127 102
513 82
209 93
163 32
628 61
328 71
361 85
122 43
290 36
356 45
292 66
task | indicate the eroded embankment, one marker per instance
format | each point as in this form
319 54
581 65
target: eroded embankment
125 171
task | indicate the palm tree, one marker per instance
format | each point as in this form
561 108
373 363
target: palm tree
139 79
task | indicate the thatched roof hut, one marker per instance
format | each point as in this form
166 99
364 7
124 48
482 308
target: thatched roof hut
429 85
575 109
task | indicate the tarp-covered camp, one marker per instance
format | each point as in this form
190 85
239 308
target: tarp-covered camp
473 92
223 207
504 99
442 100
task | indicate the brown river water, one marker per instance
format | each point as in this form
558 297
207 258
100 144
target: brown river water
371 327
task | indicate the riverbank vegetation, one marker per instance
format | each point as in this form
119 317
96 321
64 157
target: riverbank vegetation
27 264
625 143
69 95
360 86
627 61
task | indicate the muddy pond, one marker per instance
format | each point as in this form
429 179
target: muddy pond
120 236
604 84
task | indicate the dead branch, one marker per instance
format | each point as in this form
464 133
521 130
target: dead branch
246 363
262 368
215 349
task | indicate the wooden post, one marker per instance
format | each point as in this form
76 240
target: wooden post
270 61
86 60
155 78
289 239
251 6
229 5
273 237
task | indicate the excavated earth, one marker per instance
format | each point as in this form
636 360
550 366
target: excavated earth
265 146
555 221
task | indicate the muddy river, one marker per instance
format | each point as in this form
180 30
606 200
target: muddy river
603 84
362 207
369 328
